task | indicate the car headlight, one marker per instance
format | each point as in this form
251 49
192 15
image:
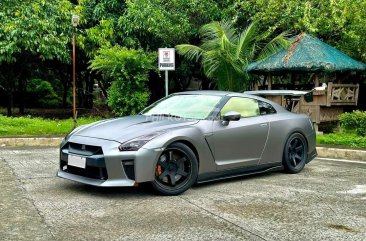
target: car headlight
137 143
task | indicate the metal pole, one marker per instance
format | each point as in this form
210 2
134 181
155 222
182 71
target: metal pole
166 82
73 79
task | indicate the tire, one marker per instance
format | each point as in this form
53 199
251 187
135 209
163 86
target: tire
295 153
176 170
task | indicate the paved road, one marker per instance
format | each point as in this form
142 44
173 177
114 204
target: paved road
327 201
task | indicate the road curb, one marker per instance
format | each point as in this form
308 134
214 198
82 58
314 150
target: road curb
327 152
350 154
30 141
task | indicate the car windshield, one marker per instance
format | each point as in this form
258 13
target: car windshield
184 106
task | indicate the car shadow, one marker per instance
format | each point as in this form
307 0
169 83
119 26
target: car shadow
145 189
231 180
84 189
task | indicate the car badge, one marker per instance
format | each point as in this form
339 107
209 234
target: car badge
82 147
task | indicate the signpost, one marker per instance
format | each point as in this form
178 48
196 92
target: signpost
166 63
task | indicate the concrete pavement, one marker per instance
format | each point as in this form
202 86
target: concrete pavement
326 201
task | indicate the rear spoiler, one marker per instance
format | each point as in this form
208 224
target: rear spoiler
288 94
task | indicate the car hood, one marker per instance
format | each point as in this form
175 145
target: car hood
126 128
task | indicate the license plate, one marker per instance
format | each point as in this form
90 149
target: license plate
76 161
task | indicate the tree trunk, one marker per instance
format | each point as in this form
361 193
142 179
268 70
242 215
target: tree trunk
64 95
10 104
104 91
21 96
90 89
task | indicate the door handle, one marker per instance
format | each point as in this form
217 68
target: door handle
264 124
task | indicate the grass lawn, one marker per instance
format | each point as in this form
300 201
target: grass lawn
342 139
28 126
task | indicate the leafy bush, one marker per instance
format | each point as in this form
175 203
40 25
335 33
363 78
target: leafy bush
41 93
128 70
354 121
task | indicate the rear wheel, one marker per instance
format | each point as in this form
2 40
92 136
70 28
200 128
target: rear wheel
176 170
294 154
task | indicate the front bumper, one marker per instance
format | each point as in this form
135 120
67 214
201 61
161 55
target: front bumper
105 164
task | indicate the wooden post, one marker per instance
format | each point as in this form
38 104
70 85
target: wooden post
256 85
316 81
74 79
329 93
269 79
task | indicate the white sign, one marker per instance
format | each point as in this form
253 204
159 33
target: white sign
166 59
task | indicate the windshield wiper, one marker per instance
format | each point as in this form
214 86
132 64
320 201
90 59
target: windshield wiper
167 115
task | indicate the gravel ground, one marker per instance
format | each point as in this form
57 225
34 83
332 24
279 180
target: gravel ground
327 201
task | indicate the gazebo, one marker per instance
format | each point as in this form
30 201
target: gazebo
307 54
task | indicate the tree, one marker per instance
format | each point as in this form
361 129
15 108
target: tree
127 70
31 31
340 23
142 24
224 53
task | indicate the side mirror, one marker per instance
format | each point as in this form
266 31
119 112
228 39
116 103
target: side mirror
231 116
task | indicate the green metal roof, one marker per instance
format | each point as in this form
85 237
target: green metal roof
306 54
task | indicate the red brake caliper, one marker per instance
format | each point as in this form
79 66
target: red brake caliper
158 170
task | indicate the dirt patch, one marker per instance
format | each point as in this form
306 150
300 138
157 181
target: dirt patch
342 228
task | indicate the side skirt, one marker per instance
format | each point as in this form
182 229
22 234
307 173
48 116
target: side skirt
232 173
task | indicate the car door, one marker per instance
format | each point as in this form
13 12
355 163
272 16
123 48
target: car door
239 143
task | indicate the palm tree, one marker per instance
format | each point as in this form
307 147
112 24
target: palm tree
224 54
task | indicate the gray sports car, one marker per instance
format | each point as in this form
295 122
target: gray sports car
187 138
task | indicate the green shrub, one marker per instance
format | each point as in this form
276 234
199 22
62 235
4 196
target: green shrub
41 93
128 69
355 120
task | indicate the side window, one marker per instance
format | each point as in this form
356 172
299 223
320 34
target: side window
265 108
245 106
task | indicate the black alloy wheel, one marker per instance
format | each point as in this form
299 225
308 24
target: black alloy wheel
295 153
176 170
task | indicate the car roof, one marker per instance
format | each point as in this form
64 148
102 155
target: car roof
278 107
204 92
214 92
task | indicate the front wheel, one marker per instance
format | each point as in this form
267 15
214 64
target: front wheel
176 170
294 154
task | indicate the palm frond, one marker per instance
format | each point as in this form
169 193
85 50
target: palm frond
211 44
211 62
228 48
246 41
228 30
191 52
210 31
279 42
238 67
217 30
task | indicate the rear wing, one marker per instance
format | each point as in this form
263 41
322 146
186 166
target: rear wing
291 97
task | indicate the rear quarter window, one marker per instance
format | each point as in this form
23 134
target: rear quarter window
266 108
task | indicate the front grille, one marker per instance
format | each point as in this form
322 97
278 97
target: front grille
84 150
95 164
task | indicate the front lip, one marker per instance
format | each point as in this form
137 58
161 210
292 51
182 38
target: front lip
95 182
